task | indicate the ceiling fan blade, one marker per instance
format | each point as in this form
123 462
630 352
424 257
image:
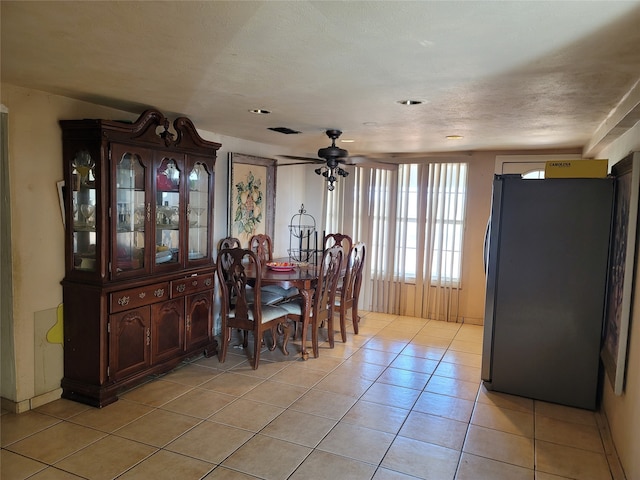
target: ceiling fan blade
370 161
404 157
304 159
290 164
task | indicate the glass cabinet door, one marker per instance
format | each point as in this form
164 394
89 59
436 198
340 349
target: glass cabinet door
197 210
167 212
84 200
131 214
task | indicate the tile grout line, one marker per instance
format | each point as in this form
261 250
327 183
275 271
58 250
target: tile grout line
601 421
386 367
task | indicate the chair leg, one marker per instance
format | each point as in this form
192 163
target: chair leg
273 339
330 330
226 338
354 317
343 327
285 337
296 329
257 344
314 338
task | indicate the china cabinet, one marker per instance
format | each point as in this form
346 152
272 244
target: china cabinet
139 271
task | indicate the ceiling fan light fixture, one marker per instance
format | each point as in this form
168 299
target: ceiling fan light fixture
333 156
342 172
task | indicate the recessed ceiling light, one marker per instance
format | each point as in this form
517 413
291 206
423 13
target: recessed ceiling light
409 102
260 111
454 137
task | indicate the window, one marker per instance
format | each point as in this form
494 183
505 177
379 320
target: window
411 218
535 174
431 219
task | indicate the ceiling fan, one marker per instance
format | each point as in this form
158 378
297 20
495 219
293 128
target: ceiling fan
332 157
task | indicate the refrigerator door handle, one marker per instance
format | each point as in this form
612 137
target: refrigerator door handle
485 255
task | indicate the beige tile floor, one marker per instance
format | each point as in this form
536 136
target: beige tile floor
401 400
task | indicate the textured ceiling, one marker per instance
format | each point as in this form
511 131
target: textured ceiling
502 74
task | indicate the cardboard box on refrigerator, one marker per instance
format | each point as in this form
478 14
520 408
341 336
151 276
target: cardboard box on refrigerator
576 168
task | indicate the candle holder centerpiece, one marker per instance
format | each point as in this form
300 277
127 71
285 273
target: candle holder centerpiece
303 238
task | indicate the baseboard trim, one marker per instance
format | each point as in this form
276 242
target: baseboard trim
31 403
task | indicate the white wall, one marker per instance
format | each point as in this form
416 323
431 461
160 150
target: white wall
623 412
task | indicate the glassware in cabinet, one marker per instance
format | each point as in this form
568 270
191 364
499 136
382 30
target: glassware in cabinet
197 212
168 208
84 199
130 214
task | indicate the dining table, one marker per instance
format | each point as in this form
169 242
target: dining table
303 276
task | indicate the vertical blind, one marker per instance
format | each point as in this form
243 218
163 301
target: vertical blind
412 219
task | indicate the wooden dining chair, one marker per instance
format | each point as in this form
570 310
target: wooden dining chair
229 242
345 240
323 300
262 246
331 239
268 297
348 294
243 314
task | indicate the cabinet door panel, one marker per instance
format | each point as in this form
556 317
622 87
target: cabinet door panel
199 319
130 337
169 211
167 333
199 210
130 210
82 164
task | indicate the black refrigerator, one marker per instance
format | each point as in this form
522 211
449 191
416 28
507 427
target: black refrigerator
547 258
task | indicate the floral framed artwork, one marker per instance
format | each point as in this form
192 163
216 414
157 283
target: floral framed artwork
252 196
621 269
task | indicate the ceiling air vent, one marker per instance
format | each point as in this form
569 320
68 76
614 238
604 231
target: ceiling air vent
285 130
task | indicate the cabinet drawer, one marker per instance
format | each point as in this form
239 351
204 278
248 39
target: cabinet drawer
137 297
188 285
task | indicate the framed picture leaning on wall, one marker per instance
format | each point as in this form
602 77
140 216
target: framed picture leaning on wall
621 269
252 196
